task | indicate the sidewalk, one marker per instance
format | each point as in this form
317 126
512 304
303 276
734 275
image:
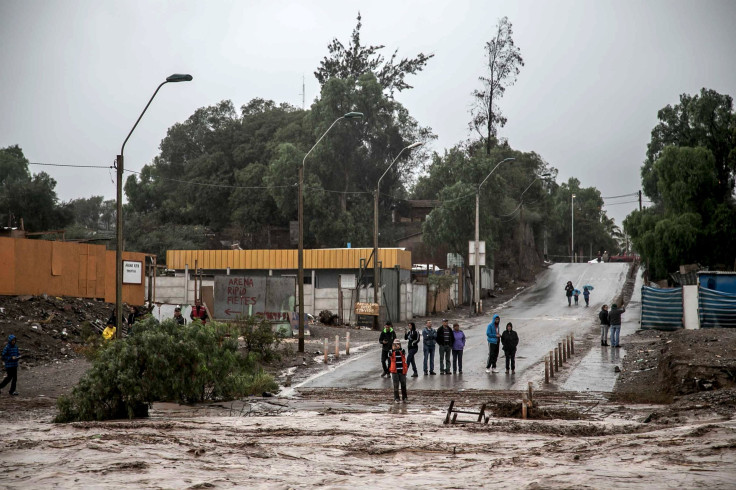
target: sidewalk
596 370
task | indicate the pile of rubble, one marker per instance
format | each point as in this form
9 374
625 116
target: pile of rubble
50 328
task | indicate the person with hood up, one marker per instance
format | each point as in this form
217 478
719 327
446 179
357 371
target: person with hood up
493 335
569 288
586 295
445 340
386 339
398 368
412 335
510 341
603 317
614 319
10 357
458 344
429 337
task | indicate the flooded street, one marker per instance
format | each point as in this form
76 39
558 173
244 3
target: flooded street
366 443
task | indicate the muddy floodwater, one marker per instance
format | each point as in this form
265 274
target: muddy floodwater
361 440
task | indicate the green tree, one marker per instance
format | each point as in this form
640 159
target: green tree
503 62
28 197
692 221
355 60
706 120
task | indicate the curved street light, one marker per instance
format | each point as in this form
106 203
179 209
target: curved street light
476 289
177 77
300 254
376 281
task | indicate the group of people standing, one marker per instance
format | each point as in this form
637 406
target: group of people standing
611 320
451 342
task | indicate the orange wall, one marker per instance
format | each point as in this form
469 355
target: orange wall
63 269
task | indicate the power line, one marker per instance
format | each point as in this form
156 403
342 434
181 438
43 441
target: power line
69 165
623 195
625 202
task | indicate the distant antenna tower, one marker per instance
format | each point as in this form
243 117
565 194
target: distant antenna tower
303 92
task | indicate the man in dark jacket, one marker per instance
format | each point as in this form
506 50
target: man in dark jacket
445 338
10 357
386 340
510 341
412 335
430 338
614 319
603 317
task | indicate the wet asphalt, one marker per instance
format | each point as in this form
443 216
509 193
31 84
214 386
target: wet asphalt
541 317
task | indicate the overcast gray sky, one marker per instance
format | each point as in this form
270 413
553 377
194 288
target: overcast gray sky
74 75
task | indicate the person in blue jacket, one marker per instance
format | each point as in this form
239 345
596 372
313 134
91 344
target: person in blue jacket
10 357
493 335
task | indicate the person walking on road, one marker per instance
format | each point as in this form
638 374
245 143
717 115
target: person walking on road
386 339
586 295
493 335
412 335
603 317
614 319
458 344
510 341
576 295
398 368
10 355
569 288
445 340
429 338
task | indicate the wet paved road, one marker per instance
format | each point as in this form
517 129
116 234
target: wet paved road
596 370
540 315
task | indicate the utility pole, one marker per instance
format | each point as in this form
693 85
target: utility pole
640 200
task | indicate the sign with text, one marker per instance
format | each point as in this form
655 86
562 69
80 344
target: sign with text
367 309
271 297
132 272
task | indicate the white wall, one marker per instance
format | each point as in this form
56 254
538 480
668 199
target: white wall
419 300
690 319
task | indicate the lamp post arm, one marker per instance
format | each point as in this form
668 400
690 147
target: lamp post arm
389 168
122 149
320 139
494 169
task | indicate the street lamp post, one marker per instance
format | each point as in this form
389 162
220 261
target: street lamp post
376 282
119 221
300 255
572 228
476 289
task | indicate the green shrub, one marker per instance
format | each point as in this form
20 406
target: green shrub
166 361
259 337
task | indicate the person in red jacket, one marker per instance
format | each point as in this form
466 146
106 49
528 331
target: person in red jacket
199 312
398 369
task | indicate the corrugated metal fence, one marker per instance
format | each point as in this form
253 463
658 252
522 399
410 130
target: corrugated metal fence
716 308
661 308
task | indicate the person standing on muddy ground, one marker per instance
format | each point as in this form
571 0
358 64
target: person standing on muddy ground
445 340
386 339
510 341
429 338
603 317
413 347
10 355
614 319
399 367
458 344
493 335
